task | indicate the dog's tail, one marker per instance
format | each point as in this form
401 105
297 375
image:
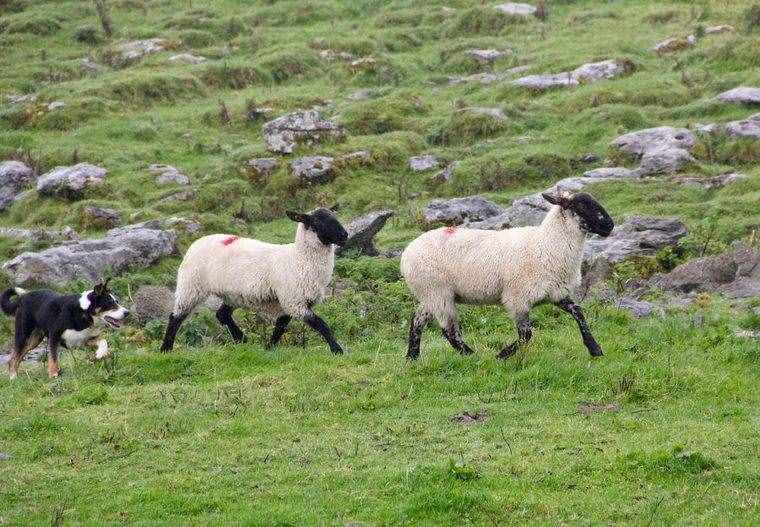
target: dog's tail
8 303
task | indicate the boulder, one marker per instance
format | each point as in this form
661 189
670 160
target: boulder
87 65
102 216
167 174
332 55
712 30
70 182
132 51
15 178
263 167
55 105
610 173
673 44
152 303
637 308
486 56
302 127
38 235
313 169
748 128
516 9
590 72
742 94
132 246
186 58
661 150
638 236
362 231
711 183
181 194
735 274
423 163
456 211
184 224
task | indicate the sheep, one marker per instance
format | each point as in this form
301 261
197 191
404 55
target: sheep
284 280
519 267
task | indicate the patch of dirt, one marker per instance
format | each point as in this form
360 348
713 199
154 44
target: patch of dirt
592 408
466 418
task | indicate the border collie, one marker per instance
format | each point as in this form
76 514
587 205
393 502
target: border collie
67 320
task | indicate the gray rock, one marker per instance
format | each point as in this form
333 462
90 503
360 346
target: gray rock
516 9
39 235
638 308
361 95
748 128
166 174
360 157
362 232
423 163
735 274
712 183
183 224
263 167
748 334
133 51
15 178
181 194
301 127
712 30
662 150
586 73
673 44
21 99
132 246
101 216
258 112
4 456
486 56
445 175
456 211
90 66
152 303
313 169
332 55
70 182
610 173
495 113
187 58
55 105
742 94
638 236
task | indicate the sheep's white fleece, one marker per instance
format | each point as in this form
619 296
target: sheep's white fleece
250 273
518 267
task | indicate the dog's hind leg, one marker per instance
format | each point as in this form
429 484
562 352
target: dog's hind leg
54 339
25 339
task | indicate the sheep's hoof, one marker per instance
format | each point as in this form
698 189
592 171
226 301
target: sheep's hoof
412 356
596 352
337 350
507 352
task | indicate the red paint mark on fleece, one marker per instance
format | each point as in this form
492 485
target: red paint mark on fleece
229 240
449 230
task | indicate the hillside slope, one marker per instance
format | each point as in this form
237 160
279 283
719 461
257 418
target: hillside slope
660 430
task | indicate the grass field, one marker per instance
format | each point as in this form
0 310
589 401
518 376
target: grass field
662 430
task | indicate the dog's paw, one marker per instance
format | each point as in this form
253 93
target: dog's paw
102 352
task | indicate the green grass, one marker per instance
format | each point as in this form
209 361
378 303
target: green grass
217 433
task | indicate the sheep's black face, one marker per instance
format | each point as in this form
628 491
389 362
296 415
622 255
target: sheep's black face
324 223
592 216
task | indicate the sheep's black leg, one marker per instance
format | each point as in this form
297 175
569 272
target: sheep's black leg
454 336
588 339
224 316
175 321
319 325
524 333
416 326
280 325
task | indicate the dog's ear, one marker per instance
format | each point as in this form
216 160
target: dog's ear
557 199
298 217
102 287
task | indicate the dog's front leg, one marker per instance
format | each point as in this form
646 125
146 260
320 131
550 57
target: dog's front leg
54 339
102 352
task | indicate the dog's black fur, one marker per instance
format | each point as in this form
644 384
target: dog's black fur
46 314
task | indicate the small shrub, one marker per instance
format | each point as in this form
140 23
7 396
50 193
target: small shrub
465 127
481 20
196 38
750 321
383 115
284 65
233 75
41 25
87 35
752 18
156 87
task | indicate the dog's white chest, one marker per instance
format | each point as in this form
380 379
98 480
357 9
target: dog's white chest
77 339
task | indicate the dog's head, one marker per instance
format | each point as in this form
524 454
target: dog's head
100 302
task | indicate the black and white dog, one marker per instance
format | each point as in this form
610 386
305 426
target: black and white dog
67 320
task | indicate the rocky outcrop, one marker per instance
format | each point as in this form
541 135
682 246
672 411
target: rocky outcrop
711 183
187 58
456 211
742 95
745 129
133 51
734 274
167 174
661 150
38 235
131 246
423 163
637 236
263 167
313 169
70 182
15 178
516 9
586 73
303 127
485 57
673 44
102 217
362 232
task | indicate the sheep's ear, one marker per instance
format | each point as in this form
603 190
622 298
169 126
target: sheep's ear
298 217
556 200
